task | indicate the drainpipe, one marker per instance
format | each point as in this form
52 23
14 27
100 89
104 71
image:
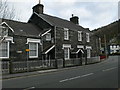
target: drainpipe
55 47
85 56
85 53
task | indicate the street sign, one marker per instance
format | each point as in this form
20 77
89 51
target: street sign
27 50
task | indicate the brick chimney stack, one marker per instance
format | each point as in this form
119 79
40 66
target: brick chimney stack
39 8
74 19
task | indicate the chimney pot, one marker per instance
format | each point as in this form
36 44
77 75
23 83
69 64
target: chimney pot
74 19
39 9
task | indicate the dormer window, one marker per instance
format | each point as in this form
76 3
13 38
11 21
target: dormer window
66 34
79 35
87 37
48 37
3 31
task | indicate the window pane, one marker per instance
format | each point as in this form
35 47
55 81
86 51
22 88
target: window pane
66 34
87 37
33 46
4 49
48 37
66 53
33 49
79 36
33 53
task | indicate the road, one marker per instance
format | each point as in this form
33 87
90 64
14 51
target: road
100 75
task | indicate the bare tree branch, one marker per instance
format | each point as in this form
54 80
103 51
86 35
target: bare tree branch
5 11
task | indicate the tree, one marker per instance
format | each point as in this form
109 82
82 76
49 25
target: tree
5 11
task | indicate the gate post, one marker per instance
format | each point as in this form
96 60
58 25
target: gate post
10 67
56 64
86 57
63 63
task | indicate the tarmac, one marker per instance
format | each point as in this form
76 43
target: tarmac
9 76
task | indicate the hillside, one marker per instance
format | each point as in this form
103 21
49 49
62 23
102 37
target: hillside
111 32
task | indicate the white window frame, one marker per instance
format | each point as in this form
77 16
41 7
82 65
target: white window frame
48 37
88 48
67 46
88 53
3 30
79 35
80 46
33 40
36 56
7 51
87 37
66 34
68 54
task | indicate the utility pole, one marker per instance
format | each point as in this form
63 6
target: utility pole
27 51
105 45
100 44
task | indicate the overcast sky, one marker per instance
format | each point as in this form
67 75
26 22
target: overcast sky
92 13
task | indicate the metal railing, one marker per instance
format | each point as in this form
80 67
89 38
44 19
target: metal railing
34 65
23 66
5 67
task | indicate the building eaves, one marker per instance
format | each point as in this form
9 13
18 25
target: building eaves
59 22
23 29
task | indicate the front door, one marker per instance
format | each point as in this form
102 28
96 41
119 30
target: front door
88 53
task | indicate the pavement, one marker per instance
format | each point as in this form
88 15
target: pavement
8 76
99 75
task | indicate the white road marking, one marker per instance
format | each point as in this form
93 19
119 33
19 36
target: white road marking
29 88
76 77
109 69
87 75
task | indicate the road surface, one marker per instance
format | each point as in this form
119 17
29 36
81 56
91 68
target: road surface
99 75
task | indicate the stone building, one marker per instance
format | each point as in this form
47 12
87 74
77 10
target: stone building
45 37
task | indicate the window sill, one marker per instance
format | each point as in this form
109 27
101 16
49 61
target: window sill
4 57
33 56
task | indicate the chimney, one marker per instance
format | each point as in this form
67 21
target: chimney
74 19
39 8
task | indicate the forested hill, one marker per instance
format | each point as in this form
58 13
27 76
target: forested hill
111 32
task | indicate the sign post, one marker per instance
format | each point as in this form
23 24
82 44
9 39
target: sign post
27 50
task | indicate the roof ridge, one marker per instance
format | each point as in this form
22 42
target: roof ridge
62 19
14 21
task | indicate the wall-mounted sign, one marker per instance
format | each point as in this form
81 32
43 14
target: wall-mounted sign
27 50
19 51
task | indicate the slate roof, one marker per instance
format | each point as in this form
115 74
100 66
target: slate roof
56 21
47 48
22 28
